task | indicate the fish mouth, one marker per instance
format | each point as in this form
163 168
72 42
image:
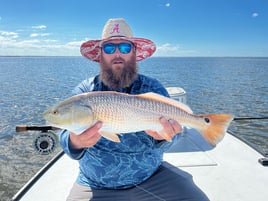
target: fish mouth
50 123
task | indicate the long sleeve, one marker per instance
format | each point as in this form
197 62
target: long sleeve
75 154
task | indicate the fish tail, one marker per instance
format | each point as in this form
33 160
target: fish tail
216 128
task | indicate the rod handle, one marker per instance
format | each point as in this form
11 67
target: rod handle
23 128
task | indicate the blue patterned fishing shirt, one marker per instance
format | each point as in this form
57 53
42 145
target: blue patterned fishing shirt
111 165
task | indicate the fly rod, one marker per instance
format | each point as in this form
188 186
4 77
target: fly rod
23 128
249 118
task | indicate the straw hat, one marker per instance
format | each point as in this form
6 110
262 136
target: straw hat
117 29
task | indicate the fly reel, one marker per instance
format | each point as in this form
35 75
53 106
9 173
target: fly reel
45 143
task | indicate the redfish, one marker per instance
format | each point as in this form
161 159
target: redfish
123 113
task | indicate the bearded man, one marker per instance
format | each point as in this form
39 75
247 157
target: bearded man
132 169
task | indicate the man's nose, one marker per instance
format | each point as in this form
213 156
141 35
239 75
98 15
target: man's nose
117 53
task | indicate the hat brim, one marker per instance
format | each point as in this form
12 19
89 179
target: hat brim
92 49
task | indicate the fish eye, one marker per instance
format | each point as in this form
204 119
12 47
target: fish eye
207 120
55 112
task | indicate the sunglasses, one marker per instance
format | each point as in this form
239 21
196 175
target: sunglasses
124 48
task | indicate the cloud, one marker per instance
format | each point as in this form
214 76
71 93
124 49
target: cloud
34 46
74 43
168 49
254 15
36 43
9 34
169 46
34 35
39 27
167 4
39 34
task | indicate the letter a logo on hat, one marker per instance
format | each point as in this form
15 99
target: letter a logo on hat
115 29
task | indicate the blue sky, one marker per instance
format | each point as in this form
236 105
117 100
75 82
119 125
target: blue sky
178 27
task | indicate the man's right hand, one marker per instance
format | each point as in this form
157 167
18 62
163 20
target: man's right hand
86 139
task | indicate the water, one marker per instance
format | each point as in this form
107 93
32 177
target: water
30 84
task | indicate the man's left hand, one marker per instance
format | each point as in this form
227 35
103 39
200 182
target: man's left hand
170 128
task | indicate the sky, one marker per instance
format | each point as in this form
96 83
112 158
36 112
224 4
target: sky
182 28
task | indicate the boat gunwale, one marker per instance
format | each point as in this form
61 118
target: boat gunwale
250 144
26 187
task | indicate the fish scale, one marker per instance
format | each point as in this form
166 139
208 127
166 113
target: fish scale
125 113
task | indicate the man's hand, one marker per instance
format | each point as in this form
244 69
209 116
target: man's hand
91 136
170 128
86 139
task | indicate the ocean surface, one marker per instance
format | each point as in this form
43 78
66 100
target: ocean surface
29 85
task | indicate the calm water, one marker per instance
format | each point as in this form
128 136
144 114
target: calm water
30 84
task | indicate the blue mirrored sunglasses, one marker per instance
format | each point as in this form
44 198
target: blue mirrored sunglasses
124 48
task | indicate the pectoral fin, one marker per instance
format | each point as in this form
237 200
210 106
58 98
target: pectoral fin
110 136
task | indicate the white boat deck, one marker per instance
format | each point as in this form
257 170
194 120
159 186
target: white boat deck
228 172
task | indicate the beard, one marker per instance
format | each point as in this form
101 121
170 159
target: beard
121 77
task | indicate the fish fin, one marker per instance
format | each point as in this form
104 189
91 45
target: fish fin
217 127
110 136
158 97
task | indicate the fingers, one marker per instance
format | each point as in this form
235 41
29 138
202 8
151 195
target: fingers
177 128
86 139
93 129
154 134
170 127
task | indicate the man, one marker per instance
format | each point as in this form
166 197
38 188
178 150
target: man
132 169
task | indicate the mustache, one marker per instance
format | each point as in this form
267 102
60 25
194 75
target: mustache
118 59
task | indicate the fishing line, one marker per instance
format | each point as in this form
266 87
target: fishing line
249 118
150 193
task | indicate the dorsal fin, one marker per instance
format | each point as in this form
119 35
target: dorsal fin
158 97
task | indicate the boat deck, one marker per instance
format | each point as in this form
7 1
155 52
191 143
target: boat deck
230 171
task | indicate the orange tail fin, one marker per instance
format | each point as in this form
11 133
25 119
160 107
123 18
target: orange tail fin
217 127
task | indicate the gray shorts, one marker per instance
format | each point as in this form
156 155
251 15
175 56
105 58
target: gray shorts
168 183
